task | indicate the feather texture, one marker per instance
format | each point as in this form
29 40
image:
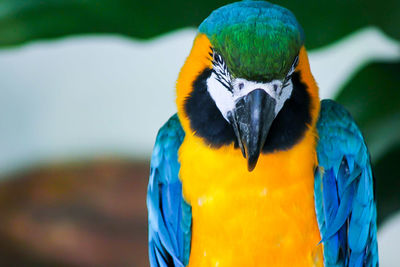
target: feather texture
170 216
344 197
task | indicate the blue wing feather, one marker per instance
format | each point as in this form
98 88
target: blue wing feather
170 217
344 197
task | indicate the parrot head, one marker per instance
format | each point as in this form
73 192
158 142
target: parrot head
247 82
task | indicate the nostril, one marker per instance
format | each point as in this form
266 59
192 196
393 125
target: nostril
275 87
241 85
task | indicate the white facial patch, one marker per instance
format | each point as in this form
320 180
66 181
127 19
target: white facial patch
226 91
276 89
223 98
226 98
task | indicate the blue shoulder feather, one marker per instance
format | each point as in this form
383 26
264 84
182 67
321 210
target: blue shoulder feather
170 217
344 194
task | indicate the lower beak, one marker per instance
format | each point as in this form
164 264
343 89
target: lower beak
251 121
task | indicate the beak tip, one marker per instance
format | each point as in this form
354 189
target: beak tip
251 163
251 120
250 168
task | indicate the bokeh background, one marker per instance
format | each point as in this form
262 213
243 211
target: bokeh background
85 84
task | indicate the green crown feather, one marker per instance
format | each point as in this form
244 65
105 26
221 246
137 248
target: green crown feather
258 40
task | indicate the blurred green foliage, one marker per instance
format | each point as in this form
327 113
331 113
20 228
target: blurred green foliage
387 183
373 96
323 21
373 99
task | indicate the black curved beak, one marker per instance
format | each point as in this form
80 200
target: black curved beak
251 121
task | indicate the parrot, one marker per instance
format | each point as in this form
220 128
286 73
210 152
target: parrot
254 169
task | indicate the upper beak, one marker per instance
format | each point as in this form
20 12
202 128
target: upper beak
251 121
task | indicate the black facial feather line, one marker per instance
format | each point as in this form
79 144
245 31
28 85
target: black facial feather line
221 71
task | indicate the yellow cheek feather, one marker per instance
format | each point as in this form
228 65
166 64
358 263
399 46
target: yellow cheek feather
198 59
240 218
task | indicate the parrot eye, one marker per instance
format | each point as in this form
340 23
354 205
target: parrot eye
221 71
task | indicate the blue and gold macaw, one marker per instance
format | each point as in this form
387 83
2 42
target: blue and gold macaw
255 170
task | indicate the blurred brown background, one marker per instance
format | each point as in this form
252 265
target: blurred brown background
77 214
